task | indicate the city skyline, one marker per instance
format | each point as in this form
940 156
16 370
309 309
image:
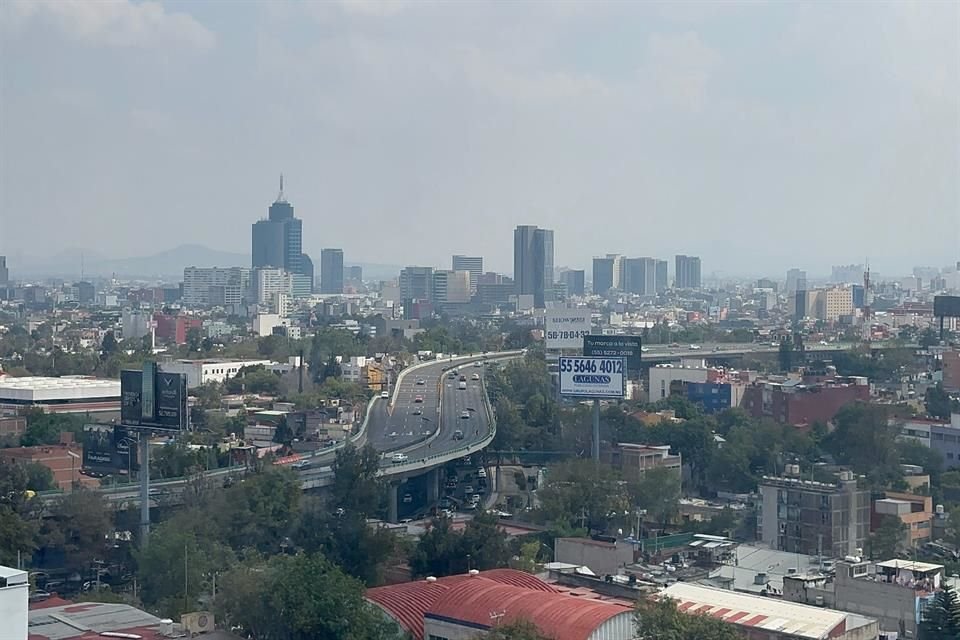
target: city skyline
662 121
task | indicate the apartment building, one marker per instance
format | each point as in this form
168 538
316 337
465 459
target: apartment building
633 460
814 518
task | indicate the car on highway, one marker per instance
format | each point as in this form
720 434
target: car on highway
695 347
464 415
644 349
398 458
301 464
481 473
475 376
468 489
393 434
674 345
475 498
421 382
824 343
384 395
458 435
407 498
463 385
418 399
463 378
418 411
477 364
426 432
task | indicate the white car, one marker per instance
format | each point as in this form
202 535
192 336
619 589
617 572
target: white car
384 395
421 381
464 415
398 458
481 473
393 434
695 347
475 376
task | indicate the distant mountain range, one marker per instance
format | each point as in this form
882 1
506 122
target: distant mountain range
166 265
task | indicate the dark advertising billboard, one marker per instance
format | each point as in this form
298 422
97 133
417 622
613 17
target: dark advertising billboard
108 449
946 306
171 400
153 399
627 347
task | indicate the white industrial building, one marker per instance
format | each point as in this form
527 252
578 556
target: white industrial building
14 599
69 394
200 372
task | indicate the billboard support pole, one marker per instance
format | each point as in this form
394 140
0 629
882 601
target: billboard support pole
596 430
144 490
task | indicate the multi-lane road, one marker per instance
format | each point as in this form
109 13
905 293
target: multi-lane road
434 425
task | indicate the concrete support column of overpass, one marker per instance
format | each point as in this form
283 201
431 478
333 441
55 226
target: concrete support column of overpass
393 490
433 485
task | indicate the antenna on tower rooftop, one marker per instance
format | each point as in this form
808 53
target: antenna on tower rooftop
280 195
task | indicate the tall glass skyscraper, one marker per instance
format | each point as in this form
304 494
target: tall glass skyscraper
533 263
331 271
278 242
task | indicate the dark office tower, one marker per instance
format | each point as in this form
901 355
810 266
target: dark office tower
416 283
278 241
355 273
574 279
473 264
331 271
4 272
86 292
661 278
533 263
640 276
687 275
603 270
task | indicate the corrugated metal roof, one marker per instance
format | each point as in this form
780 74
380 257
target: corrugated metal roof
408 602
799 620
556 615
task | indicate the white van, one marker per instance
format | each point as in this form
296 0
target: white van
463 385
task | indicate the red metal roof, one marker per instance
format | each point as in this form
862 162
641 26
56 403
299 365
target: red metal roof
408 602
474 598
556 615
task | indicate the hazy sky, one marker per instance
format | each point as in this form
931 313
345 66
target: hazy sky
757 135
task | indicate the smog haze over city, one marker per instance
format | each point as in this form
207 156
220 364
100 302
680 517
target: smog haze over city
759 136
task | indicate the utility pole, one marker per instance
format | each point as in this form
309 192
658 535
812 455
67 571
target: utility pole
144 489
596 430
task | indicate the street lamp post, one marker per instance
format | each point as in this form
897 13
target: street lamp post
73 476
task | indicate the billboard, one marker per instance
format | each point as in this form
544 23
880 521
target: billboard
153 399
107 449
565 328
946 306
627 347
593 377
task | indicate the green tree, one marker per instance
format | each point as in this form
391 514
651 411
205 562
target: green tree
938 402
347 540
318 601
77 527
953 526
260 512
39 477
442 551
658 491
785 354
45 428
866 439
659 619
18 531
356 487
888 538
108 346
194 339
941 619
582 493
184 553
